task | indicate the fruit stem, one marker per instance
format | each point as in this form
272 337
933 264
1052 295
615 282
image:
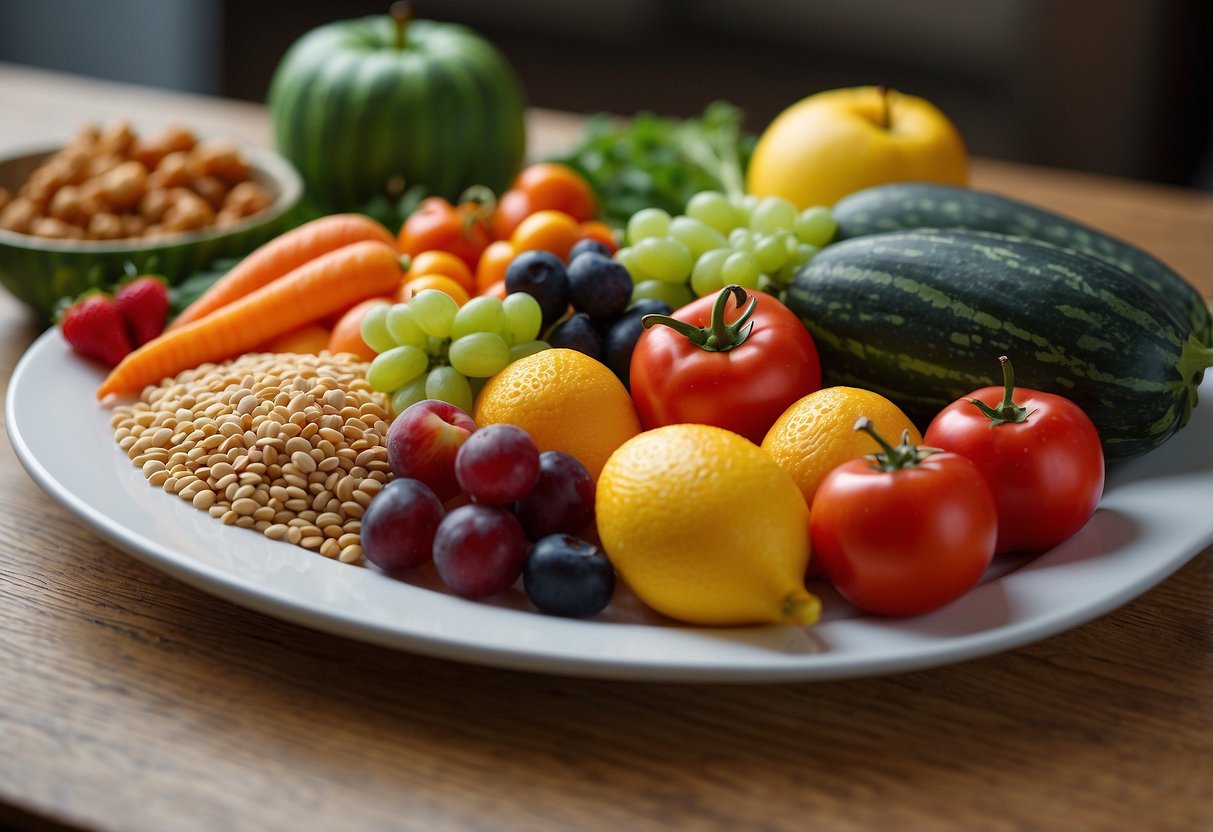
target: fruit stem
904 455
717 336
402 13
802 607
1194 359
1007 411
885 120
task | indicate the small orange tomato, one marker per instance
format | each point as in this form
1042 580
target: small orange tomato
432 281
513 207
436 224
307 340
495 290
553 186
493 263
600 231
347 332
553 231
444 263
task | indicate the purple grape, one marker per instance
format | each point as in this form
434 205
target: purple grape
479 550
586 246
567 576
497 465
562 500
577 333
399 525
543 276
599 286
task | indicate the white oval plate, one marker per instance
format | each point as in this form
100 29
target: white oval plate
1156 514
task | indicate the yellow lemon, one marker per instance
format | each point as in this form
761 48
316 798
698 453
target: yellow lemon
817 434
705 528
840 141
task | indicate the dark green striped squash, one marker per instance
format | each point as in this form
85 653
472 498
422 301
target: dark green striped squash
910 206
370 107
922 316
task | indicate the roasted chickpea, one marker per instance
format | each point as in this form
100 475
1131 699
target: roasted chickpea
187 211
102 164
5 197
212 189
105 226
18 215
172 139
133 225
218 158
53 228
116 138
123 187
247 198
172 172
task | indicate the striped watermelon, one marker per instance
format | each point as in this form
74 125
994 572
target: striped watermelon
906 207
364 118
922 316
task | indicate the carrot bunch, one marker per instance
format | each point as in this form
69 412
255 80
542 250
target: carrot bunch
311 273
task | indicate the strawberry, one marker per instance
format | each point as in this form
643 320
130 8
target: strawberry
93 327
143 303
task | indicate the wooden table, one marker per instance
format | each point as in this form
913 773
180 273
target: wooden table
133 702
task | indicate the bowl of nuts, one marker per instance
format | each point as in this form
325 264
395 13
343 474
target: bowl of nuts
110 203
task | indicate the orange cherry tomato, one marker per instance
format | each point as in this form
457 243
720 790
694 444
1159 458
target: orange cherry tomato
513 207
553 186
493 263
432 281
307 340
347 332
495 290
444 263
553 231
438 225
600 231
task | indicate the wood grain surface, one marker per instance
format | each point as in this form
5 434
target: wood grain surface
133 702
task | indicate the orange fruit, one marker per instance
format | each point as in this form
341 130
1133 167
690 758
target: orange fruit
493 262
553 231
347 332
705 528
440 282
600 231
817 434
566 401
444 263
307 340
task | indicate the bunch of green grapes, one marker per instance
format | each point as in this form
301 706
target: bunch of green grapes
431 348
755 243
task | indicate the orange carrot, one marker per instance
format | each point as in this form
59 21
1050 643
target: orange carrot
282 255
332 281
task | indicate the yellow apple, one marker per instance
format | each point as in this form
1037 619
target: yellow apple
840 141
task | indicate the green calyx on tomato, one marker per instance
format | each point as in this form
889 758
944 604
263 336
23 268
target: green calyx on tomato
1007 412
717 336
894 457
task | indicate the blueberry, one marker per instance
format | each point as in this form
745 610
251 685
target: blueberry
599 286
564 575
585 246
621 338
541 275
577 333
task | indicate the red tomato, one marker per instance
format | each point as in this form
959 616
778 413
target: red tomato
906 537
696 366
557 187
437 225
513 207
1040 454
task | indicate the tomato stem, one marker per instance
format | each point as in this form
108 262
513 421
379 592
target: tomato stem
402 14
718 336
1007 411
893 458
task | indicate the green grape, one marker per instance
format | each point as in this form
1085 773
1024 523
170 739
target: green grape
396 367
646 223
674 294
788 273
436 346
402 327
742 239
804 253
409 394
740 268
816 226
664 258
627 257
697 236
434 312
374 329
449 385
525 348
744 206
480 354
705 277
523 317
772 214
770 253
714 210
476 385
480 314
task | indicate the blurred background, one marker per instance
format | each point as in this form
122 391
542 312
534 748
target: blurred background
1121 87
